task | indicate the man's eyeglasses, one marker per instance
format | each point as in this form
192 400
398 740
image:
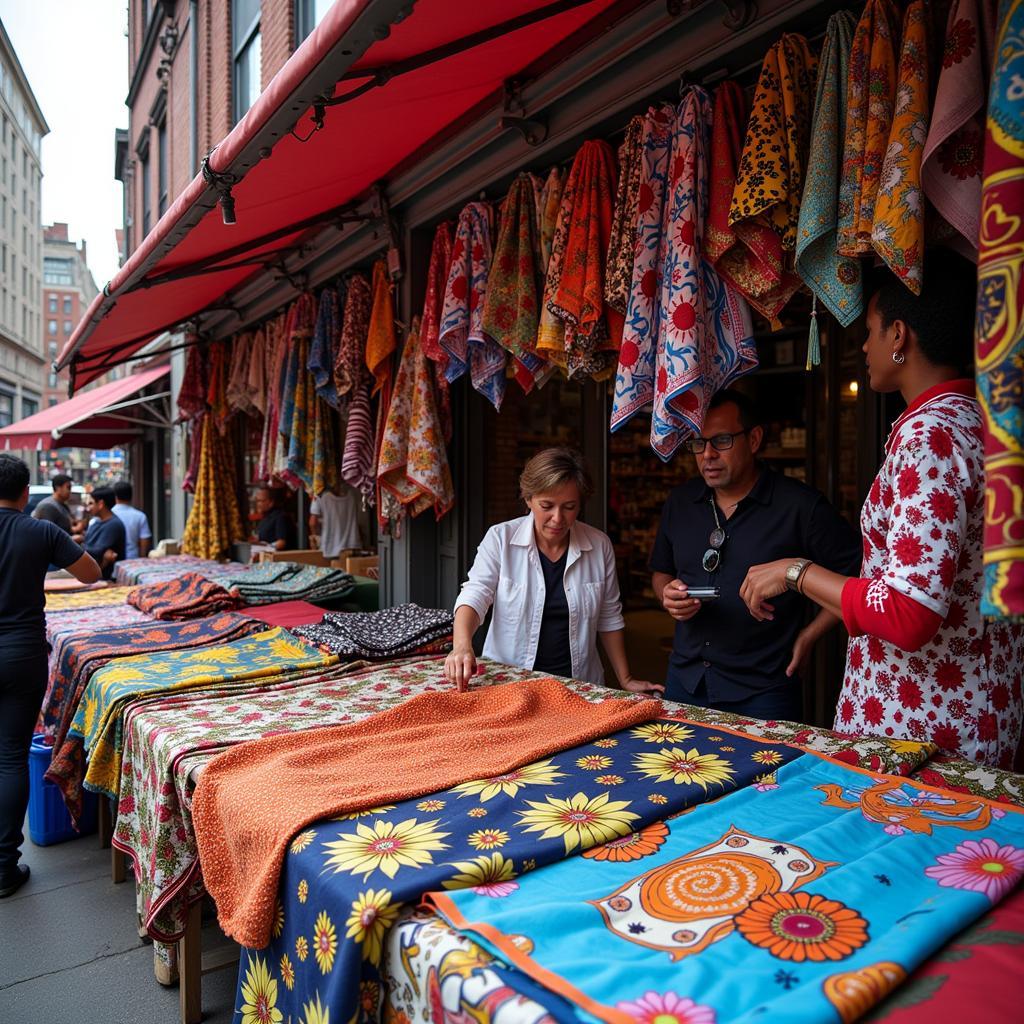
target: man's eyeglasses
720 442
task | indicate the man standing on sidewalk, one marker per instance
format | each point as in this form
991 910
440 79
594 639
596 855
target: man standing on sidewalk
54 509
138 535
27 547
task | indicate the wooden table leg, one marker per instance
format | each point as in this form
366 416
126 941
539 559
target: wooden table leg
190 967
118 866
104 823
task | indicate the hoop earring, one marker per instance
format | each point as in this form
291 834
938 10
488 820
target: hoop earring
899 358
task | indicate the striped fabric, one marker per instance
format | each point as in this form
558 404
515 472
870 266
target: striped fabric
357 468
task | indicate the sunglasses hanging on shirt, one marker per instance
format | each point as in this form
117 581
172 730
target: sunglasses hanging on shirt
713 556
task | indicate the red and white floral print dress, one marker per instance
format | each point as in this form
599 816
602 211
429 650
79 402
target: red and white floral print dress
922 526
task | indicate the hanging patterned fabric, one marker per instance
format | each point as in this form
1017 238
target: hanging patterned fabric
256 376
550 329
357 457
765 204
951 168
621 248
213 521
510 306
413 466
898 231
238 373
297 391
870 97
381 340
349 364
833 279
634 382
1000 341
547 215
322 349
705 336
276 370
217 391
433 302
192 394
593 332
462 335
195 448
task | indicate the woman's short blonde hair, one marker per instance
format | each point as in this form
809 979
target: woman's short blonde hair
552 468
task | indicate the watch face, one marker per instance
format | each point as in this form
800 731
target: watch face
792 572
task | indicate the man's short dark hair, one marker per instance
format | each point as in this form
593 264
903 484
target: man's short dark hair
749 416
14 477
104 494
59 480
942 316
123 491
276 494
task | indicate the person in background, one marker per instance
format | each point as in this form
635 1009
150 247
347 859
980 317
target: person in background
551 581
54 509
138 536
275 526
105 536
335 519
713 528
27 547
922 663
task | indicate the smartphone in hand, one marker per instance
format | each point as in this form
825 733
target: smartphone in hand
704 593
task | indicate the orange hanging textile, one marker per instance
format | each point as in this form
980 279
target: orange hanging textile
381 341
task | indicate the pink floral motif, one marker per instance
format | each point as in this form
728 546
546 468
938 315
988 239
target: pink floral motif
980 866
496 890
669 1008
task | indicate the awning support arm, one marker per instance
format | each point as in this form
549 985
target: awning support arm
58 432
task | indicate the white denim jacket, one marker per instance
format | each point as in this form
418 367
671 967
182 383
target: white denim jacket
507 573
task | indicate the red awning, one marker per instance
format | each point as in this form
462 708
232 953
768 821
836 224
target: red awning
191 260
105 417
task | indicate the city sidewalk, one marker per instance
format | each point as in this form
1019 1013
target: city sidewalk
69 950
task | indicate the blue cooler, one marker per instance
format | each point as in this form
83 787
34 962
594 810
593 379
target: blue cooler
48 818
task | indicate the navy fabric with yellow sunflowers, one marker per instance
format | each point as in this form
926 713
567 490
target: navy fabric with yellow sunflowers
345 881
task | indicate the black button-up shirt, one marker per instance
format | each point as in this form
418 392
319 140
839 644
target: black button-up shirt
723 643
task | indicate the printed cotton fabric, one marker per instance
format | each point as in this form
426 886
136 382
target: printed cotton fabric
357 455
462 335
289 581
433 304
618 275
322 349
823 890
835 280
381 340
390 633
187 595
214 520
98 598
349 365
999 353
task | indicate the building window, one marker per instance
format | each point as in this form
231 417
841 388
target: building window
147 198
67 305
53 303
51 327
161 138
52 382
67 326
309 14
51 402
246 49
29 406
52 349
56 270
6 408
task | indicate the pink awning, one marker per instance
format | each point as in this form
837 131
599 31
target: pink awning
449 57
104 417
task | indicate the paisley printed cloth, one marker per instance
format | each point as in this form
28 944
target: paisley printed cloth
192 394
547 215
381 340
510 306
187 595
618 274
899 225
462 335
322 349
999 352
433 303
835 280
413 464
807 886
349 365
328 933
870 99
84 620
765 206
377 636
593 331
952 162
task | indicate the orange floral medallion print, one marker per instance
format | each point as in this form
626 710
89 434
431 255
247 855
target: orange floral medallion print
802 926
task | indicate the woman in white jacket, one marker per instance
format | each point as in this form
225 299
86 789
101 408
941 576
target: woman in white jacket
551 580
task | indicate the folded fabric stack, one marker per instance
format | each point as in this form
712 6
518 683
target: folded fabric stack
155 570
288 581
188 596
398 632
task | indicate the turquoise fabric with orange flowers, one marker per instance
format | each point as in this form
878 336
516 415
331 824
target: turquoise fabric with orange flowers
344 881
805 898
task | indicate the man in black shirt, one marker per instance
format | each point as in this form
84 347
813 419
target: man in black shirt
105 539
54 509
27 547
739 513
275 527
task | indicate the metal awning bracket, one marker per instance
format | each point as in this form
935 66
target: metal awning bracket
513 115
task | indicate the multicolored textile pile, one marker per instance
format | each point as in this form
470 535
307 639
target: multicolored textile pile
185 596
398 632
136 571
100 597
289 581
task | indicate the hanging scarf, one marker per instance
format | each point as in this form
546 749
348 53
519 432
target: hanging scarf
276 370
217 392
550 329
192 394
349 366
510 307
1000 347
256 376
619 271
547 215
634 382
296 394
381 341
462 335
593 332
898 231
753 247
357 457
195 448
321 352
869 108
238 373
433 302
835 280
213 521
951 166
413 466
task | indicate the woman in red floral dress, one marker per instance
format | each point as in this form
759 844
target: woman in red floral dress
922 664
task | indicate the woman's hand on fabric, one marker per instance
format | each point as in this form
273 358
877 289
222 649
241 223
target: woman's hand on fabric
675 601
641 686
460 667
762 583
